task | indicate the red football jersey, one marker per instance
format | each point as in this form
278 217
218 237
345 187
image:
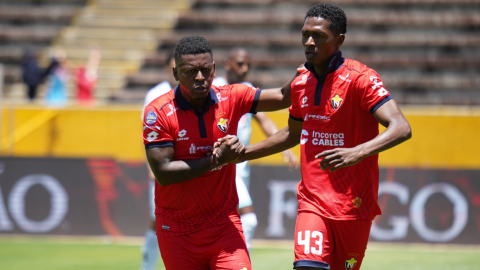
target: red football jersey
170 120
336 110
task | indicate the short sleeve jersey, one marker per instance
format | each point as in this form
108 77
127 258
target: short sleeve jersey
171 121
337 111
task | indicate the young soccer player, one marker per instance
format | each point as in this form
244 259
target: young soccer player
337 104
198 226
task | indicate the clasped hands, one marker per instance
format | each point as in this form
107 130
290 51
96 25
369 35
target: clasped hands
228 149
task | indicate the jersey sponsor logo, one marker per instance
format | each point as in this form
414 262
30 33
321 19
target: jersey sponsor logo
377 83
345 78
350 264
305 78
321 138
165 227
303 139
304 100
223 125
328 139
337 102
220 99
316 117
193 149
172 109
182 134
151 127
151 118
152 136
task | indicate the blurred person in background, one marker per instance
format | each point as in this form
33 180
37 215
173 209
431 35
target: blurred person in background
56 92
86 78
150 251
337 105
237 67
32 74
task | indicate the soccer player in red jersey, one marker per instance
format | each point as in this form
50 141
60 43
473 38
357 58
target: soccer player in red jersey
198 226
337 104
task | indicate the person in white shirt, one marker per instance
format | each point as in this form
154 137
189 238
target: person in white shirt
237 67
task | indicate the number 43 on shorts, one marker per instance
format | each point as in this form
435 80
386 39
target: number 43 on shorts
305 242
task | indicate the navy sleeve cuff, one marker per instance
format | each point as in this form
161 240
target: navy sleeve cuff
255 101
295 118
158 144
380 103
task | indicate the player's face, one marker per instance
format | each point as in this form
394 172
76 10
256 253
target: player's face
319 42
238 66
195 73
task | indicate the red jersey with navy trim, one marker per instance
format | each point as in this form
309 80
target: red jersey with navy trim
210 199
337 111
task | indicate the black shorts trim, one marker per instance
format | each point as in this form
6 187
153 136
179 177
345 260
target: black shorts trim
295 118
311 263
158 144
380 103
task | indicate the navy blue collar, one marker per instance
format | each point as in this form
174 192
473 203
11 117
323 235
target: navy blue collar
335 63
185 105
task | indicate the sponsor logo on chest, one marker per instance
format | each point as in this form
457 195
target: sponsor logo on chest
181 135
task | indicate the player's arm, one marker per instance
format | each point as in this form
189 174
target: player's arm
168 171
282 140
277 98
269 128
398 130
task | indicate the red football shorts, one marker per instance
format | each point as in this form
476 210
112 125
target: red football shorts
330 244
218 247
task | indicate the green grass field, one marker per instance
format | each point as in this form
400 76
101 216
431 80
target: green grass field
42 253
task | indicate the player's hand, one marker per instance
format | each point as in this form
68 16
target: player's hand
339 158
290 158
228 149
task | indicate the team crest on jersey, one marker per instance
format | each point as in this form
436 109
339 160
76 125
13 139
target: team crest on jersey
223 125
337 102
350 264
151 118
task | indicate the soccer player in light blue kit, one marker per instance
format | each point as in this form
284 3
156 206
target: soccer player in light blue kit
237 67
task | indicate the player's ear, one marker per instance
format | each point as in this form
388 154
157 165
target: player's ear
214 69
340 39
174 70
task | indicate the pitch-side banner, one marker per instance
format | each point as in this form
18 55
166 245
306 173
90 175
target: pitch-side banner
419 205
73 197
106 197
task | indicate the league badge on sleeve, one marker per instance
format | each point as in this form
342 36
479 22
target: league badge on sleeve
337 102
223 125
151 118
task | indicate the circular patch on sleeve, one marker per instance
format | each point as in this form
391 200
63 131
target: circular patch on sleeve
151 118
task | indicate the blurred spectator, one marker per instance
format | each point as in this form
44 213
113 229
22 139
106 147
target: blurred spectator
86 78
32 74
58 76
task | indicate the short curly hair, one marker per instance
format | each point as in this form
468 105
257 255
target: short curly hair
192 45
336 16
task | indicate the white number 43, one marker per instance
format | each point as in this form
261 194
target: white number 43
306 242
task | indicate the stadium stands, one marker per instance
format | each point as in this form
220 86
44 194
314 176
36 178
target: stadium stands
425 50
29 24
